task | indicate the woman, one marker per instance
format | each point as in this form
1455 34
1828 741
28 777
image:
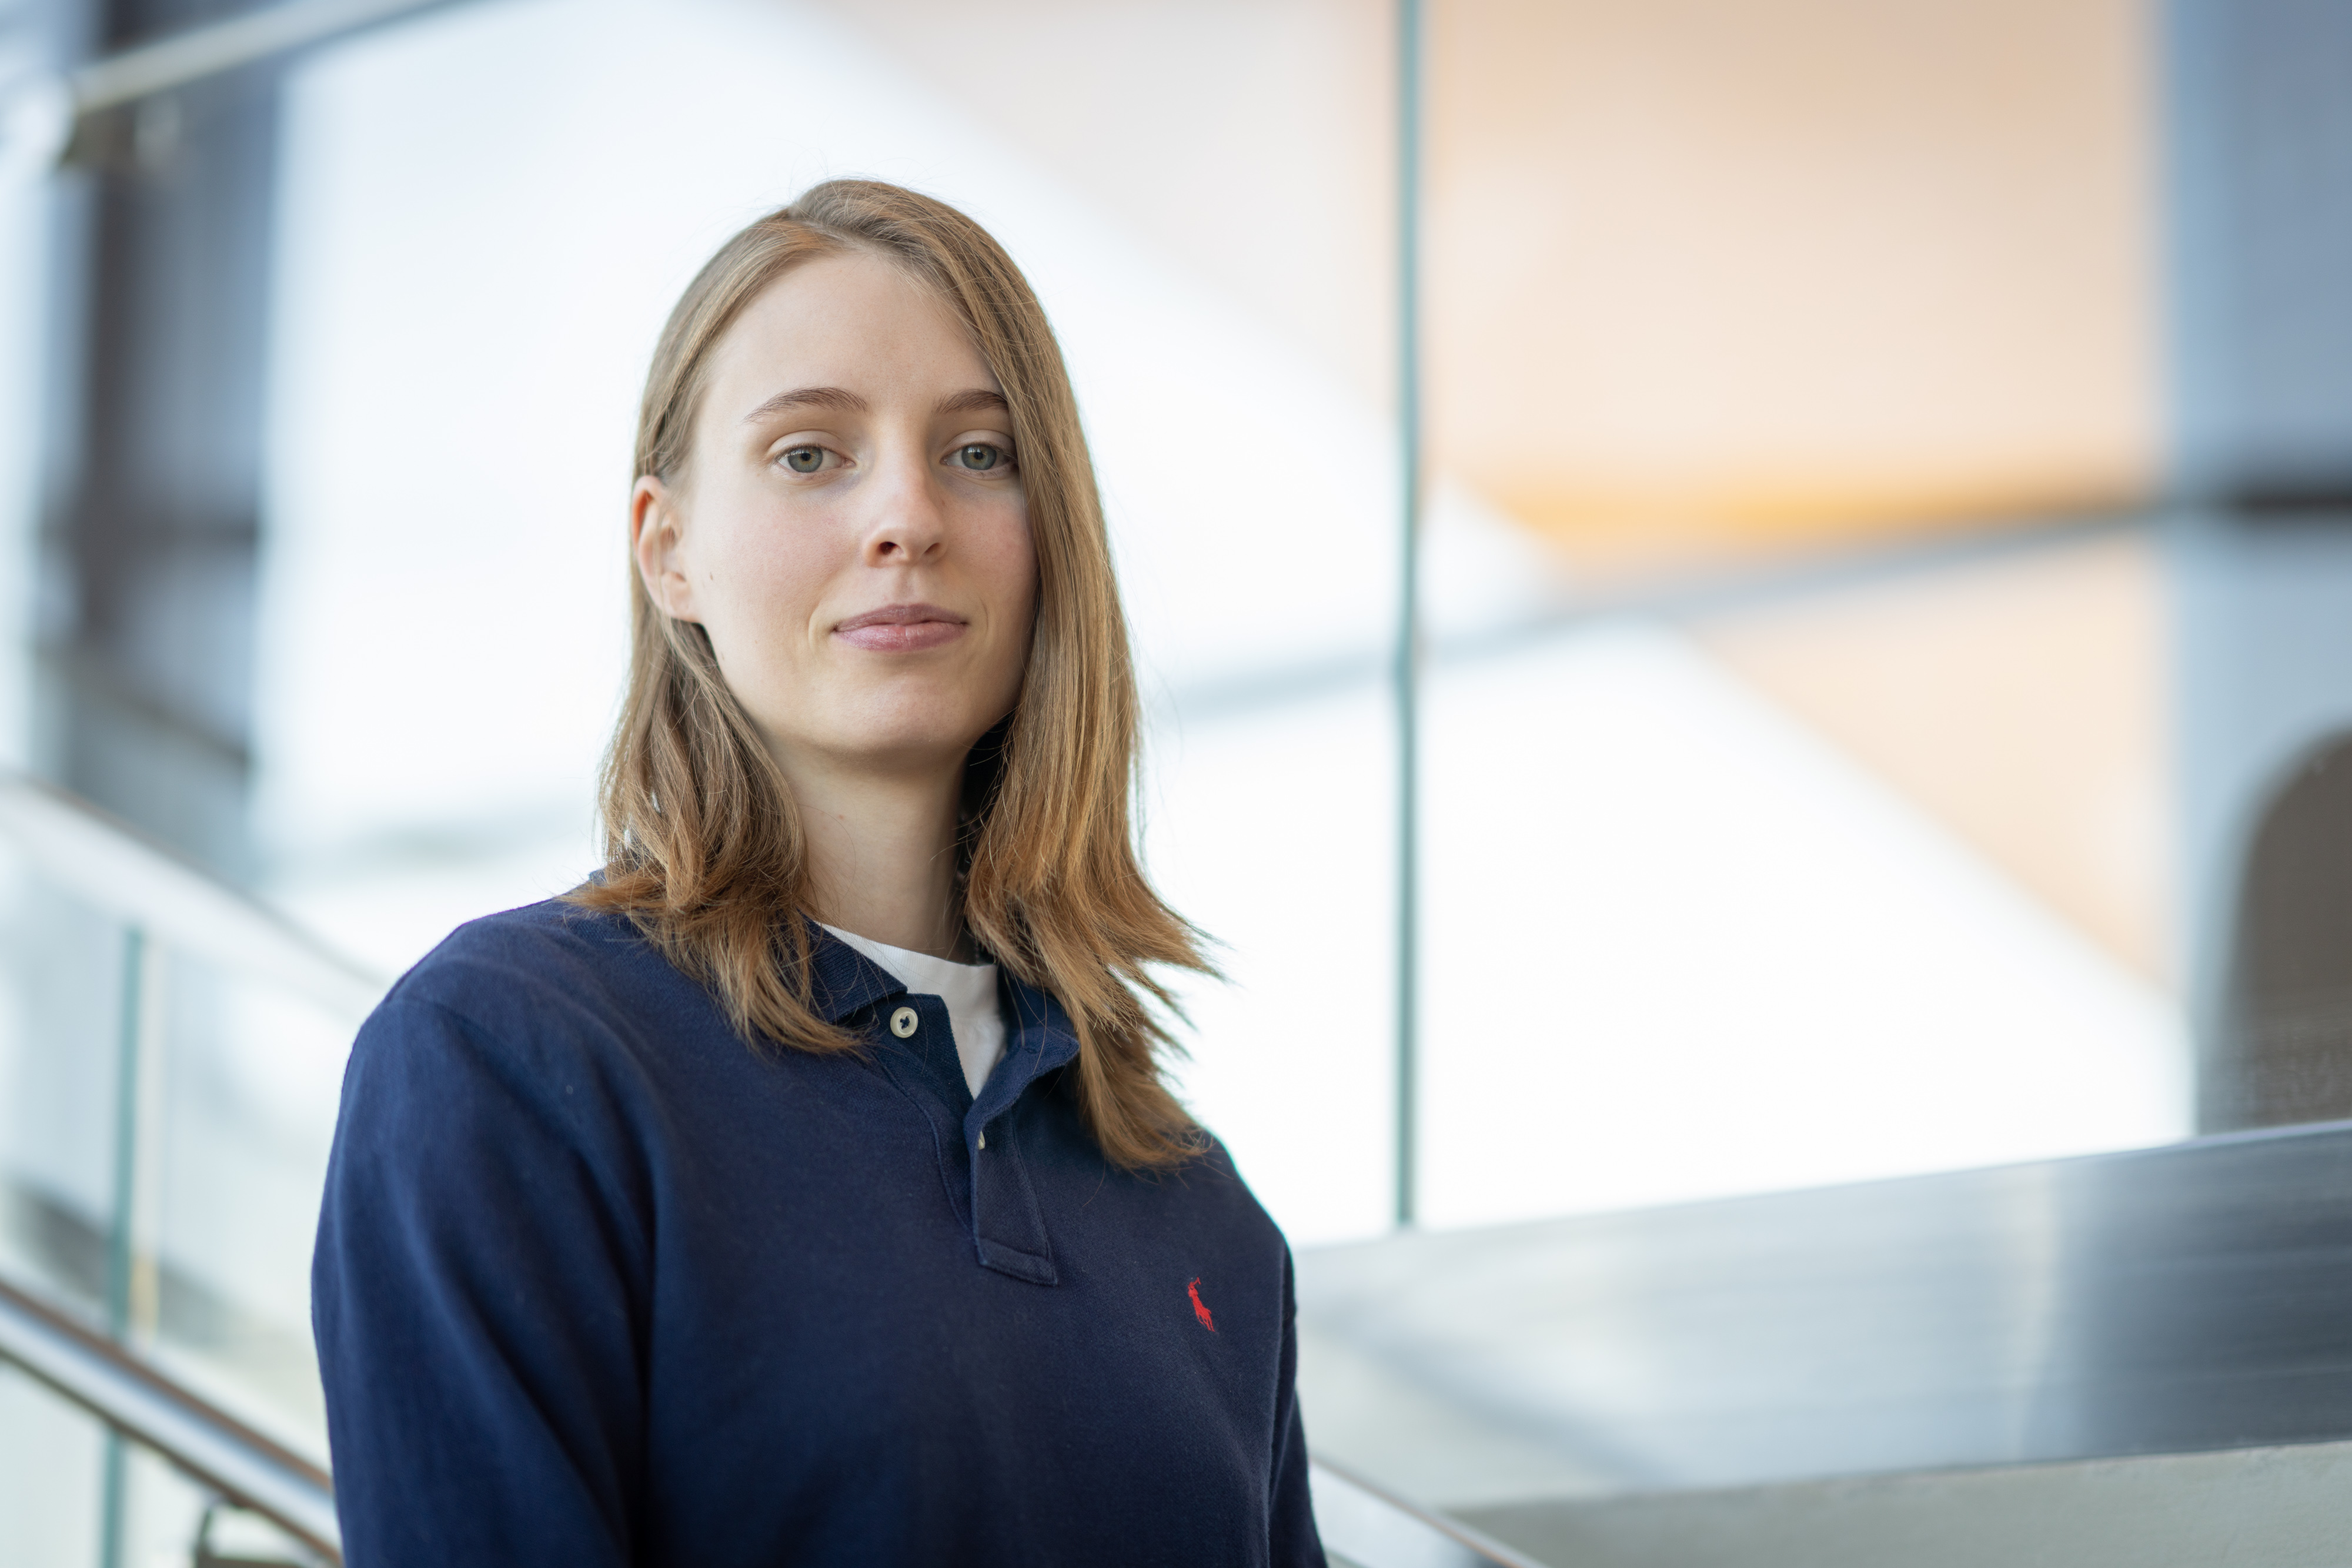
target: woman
804 1189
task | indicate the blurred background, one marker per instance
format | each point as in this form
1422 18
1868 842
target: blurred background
1885 589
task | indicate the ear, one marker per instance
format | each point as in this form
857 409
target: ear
657 540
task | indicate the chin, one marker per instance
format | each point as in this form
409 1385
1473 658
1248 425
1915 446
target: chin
908 733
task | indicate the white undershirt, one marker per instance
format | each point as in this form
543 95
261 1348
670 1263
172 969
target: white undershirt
969 990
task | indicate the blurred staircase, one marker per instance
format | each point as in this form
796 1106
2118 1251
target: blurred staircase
2141 1358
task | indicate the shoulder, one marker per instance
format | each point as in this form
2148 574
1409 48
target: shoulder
1208 1194
548 985
553 958
551 942
506 1074
1213 1172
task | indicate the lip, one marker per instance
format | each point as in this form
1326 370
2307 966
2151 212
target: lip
901 628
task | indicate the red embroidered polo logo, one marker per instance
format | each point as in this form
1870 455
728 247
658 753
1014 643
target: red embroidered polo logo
1199 1308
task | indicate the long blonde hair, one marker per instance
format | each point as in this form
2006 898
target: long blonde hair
703 845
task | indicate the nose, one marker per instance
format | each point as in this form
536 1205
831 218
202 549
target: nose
908 524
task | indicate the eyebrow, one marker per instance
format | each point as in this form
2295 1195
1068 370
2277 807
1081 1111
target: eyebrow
973 401
810 397
844 401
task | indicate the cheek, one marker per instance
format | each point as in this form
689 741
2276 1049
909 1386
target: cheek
761 584
1009 568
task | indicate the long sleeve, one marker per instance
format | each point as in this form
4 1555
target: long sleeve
472 1293
1296 1544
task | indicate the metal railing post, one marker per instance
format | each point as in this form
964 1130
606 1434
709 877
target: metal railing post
122 1243
1406 675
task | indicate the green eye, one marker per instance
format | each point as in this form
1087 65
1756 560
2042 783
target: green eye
981 456
805 459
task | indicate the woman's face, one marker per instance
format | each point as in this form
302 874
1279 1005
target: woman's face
850 528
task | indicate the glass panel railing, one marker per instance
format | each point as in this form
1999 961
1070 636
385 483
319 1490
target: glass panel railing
170 1056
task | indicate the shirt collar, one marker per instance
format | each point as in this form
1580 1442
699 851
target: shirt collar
1038 1038
847 979
1038 1035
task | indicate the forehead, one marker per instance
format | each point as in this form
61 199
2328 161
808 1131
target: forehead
852 321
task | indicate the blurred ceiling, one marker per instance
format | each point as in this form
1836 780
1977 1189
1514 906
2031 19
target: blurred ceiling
1712 276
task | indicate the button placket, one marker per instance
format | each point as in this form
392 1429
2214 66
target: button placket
993 1198
1006 1221
921 1090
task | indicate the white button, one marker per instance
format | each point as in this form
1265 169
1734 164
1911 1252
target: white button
984 1140
903 1022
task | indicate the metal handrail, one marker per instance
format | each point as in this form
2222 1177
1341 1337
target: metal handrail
224 46
38 115
112 867
1373 1527
150 1407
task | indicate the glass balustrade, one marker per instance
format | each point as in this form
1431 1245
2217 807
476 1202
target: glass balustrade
164 1122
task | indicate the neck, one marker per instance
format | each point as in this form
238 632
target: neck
881 851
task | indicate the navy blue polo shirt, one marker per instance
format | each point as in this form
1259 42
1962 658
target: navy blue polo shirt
599 1283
